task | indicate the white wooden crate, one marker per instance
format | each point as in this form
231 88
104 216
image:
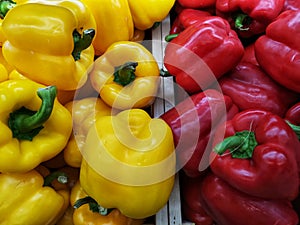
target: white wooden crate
170 214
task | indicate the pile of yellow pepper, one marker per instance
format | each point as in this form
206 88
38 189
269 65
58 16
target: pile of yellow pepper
77 145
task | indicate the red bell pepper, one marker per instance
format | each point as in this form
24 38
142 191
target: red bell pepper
202 53
195 4
191 201
291 5
258 155
278 51
249 55
249 18
251 88
187 17
228 206
193 122
292 116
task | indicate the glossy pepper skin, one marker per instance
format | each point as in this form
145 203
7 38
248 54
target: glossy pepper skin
53 40
191 205
3 73
281 41
293 114
126 156
258 155
114 22
249 55
5 6
126 76
25 199
291 5
84 215
251 88
228 206
146 13
187 17
62 180
84 113
202 53
292 117
34 126
249 18
196 4
138 35
193 122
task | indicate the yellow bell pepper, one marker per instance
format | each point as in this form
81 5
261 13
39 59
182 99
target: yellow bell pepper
15 75
53 39
129 163
126 76
114 22
84 113
147 12
138 35
5 6
69 176
2 35
25 199
34 126
3 73
9 68
83 214
63 178
67 218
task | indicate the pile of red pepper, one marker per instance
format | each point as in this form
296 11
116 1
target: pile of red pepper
237 131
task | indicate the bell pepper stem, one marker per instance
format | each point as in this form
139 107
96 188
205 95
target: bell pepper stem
164 73
242 22
26 124
170 37
156 25
61 177
125 73
295 128
82 42
5 6
241 145
93 205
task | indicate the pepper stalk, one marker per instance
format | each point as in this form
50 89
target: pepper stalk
5 6
24 123
295 128
242 21
93 205
241 145
61 177
82 42
125 73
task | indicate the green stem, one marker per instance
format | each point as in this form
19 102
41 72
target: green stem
295 128
5 6
61 177
170 37
125 73
26 124
82 42
164 73
93 205
241 145
155 25
242 22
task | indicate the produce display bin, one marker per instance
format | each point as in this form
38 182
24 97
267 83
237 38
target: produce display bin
167 97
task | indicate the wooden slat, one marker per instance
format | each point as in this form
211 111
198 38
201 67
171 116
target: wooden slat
170 214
